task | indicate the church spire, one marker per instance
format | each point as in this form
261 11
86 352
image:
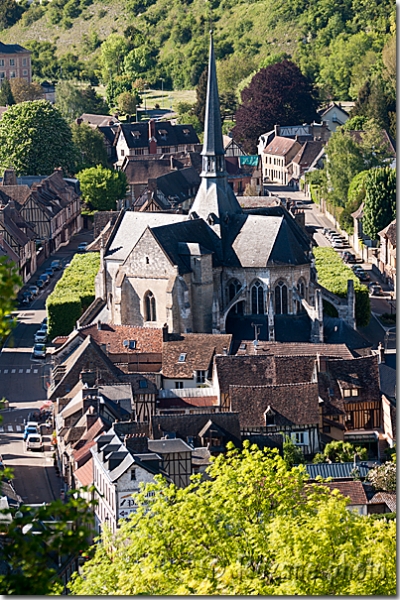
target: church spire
213 152
215 201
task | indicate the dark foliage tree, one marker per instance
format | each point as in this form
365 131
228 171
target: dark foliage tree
277 95
6 95
10 13
91 150
35 139
375 101
380 200
201 95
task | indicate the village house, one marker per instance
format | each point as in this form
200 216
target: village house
15 62
334 115
171 191
277 157
17 238
387 254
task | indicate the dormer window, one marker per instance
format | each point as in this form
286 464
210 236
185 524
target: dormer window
136 134
185 131
269 416
354 392
163 134
346 393
182 357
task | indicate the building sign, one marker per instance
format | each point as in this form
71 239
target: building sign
126 504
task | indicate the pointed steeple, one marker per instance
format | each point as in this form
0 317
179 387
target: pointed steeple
213 148
215 200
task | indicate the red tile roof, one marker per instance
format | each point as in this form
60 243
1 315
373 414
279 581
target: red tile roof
280 146
294 349
388 498
351 489
148 339
199 349
85 473
188 402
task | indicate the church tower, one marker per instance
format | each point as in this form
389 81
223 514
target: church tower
215 200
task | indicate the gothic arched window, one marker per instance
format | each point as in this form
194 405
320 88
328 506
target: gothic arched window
150 307
233 288
257 299
281 298
301 289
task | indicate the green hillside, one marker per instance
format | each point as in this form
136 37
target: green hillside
338 44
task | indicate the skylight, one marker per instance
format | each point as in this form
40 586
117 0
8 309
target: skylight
182 357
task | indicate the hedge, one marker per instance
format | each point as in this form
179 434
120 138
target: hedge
73 293
333 274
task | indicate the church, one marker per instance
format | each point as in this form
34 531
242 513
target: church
217 269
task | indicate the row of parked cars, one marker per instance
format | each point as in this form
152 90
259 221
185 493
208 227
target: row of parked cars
32 291
39 349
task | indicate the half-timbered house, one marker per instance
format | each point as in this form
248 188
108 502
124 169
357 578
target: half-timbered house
17 235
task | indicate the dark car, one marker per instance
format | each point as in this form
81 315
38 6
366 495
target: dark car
49 271
33 289
362 275
45 278
56 265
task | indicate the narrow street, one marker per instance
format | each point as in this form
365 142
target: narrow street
23 383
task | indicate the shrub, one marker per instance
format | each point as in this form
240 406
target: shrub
73 294
334 274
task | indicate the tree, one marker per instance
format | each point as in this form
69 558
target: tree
253 528
345 161
126 103
356 123
10 13
380 201
90 146
10 282
292 454
102 188
6 95
277 95
72 101
338 451
35 139
24 91
36 539
199 109
355 196
112 53
384 477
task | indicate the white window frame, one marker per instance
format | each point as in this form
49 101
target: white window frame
300 438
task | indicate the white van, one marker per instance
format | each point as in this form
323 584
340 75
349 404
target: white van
34 442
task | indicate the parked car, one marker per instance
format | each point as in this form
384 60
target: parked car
30 428
351 258
356 268
34 442
40 283
362 275
56 265
27 297
45 277
49 271
39 351
40 336
375 289
33 289
82 246
43 327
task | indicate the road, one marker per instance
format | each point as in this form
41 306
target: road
23 383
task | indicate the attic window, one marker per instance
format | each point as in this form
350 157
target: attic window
346 393
163 133
182 357
243 346
186 131
269 416
136 134
143 383
354 392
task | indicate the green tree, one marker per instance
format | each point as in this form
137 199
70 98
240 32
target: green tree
102 188
35 139
345 161
34 541
126 103
10 13
384 477
253 528
292 454
356 123
380 201
338 451
199 109
91 150
6 95
112 53
44 59
24 91
10 282
355 196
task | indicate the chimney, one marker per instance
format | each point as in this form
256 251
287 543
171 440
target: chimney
225 351
152 137
276 129
321 364
91 417
79 121
99 322
88 378
165 333
9 177
381 353
136 443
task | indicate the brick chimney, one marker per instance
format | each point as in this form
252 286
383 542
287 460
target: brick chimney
136 443
88 378
152 137
165 332
276 129
79 121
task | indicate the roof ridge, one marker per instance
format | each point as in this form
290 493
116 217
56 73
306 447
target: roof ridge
274 385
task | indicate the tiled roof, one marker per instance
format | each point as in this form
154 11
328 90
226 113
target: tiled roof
350 489
293 404
85 473
19 193
292 349
357 136
280 146
190 425
148 339
187 402
199 349
390 233
83 452
308 152
99 120
388 498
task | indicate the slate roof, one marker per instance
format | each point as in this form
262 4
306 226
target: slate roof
293 404
148 339
387 380
280 146
12 49
330 106
19 193
131 228
307 153
337 331
337 470
176 186
294 349
99 120
175 134
213 144
199 349
185 426
167 446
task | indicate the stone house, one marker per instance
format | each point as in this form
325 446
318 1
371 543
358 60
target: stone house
334 115
172 191
15 62
387 254
304 159
276 158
